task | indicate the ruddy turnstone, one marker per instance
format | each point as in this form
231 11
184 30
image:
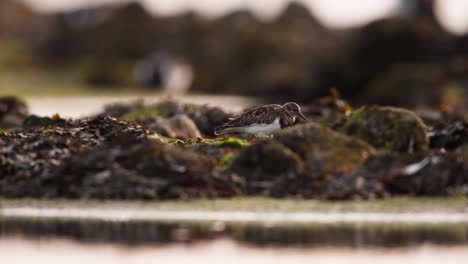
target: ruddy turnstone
263 120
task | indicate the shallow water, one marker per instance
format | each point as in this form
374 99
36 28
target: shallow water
95 241
234 231
307 235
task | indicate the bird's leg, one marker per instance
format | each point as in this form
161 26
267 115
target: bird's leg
251 137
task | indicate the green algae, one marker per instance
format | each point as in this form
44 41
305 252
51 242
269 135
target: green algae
158 138
227 159
388 128
324 149
6 130
143 113
230 142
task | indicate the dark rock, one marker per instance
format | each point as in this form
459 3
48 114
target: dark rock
221 149
118 110
240 19
242 54
28 156
439 174
178 126
431 117
388 128
205 117
102 40
269 168
25 159
141 170
323 149
449 136
300 161
408 85
106 158
102 158
353 186
385 43
330 111
296 13
462 155
34 121
107 74
220 154
12 112
403 174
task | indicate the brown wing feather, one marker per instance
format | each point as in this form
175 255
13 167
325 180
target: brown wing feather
259 115
286 120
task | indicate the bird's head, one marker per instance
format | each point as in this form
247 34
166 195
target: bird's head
294 110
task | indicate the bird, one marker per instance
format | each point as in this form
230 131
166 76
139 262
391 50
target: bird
263 120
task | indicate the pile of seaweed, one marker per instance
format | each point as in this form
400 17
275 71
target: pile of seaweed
165 151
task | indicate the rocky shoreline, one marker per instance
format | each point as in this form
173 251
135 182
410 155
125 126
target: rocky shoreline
166 151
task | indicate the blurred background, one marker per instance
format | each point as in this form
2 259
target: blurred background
72 57
410 53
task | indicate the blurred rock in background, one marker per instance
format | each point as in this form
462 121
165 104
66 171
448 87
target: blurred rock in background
405 60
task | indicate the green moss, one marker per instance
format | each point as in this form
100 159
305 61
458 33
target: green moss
6 130
227 158
191 107
143 113
192 141
230 142
388 128
177 142
159 138
233 142
324 149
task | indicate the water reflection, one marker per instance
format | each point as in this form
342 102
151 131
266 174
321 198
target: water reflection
303 235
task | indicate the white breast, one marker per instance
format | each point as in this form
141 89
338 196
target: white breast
263 129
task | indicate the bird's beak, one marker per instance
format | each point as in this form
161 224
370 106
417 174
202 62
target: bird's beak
302 117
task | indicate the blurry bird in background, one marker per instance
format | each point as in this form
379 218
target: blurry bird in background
161 70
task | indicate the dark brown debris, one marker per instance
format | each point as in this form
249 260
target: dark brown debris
107 158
